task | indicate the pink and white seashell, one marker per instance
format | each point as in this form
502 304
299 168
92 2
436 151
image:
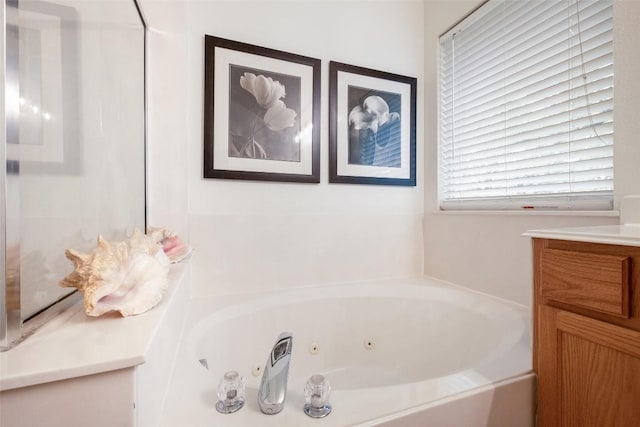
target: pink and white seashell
174 247
128 276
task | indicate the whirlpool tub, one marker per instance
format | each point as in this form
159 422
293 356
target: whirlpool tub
415 352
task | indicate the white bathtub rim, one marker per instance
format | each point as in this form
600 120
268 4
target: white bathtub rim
418 280
240 308
399 399
235 305
468 394
376 406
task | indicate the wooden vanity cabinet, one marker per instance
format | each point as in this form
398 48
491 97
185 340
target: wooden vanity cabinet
586 333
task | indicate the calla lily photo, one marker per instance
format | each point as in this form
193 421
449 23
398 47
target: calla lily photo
372 131
261 113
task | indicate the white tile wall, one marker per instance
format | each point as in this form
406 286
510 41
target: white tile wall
245 253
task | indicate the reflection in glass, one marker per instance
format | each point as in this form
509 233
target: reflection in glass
80 151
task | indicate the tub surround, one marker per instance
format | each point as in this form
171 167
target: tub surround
73 344
125 360
630 210
244 253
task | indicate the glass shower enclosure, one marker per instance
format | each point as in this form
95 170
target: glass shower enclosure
74 120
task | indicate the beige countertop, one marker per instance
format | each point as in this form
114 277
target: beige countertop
628 235
73 344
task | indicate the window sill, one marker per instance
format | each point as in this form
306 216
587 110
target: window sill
528 212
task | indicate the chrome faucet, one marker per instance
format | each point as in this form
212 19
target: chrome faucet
273 387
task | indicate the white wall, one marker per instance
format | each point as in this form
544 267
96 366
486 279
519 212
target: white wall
485 251
258 235
167 136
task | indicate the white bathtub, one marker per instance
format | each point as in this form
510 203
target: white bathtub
441 356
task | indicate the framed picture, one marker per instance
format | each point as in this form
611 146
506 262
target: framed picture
372 126
262 113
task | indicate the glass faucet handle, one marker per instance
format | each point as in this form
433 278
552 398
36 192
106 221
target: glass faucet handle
316 397
230 393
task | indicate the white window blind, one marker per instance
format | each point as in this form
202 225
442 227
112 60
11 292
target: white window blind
526 107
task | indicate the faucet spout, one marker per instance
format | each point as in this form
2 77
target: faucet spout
273 387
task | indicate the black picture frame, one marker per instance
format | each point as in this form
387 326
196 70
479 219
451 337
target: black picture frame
372 126
261 113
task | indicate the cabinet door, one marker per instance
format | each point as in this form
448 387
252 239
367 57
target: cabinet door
588 372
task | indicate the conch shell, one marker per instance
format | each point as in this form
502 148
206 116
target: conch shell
174 247
128 276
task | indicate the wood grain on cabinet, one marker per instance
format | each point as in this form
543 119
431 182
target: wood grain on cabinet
595 281
631 320
588 372
586 351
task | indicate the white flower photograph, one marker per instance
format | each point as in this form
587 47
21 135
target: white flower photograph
264 115
372 126
261 113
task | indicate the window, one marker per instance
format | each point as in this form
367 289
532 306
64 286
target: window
526 107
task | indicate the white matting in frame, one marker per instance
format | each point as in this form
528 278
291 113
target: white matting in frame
345 80
224 59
